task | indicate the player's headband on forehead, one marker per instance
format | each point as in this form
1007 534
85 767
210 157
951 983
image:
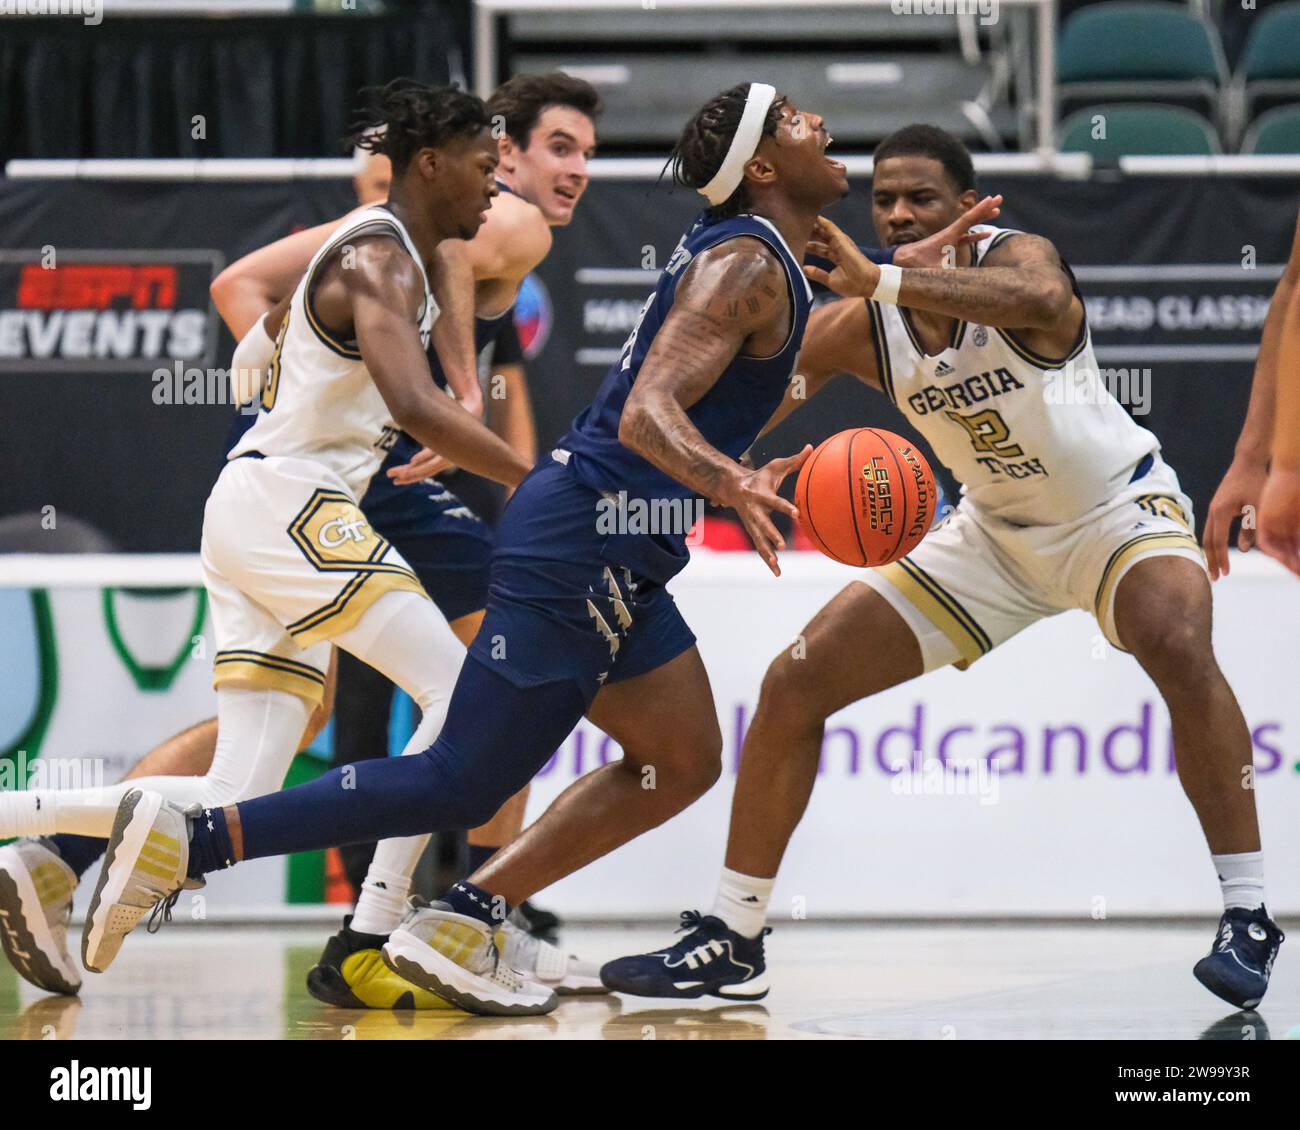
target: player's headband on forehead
744 143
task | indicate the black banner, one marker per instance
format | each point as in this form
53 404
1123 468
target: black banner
1176 272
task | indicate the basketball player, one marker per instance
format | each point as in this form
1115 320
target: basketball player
1238 496
547 138
578 618
1064 505
1279 506
290 563
547 135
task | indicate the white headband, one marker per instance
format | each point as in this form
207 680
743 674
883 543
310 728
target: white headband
744 143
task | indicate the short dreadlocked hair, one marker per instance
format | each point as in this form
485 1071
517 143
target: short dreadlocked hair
702 147
519 101
406 116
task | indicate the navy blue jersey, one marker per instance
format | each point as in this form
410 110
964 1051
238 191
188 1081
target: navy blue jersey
729 416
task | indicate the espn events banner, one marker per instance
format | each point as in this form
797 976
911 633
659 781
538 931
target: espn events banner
1040 781
115 406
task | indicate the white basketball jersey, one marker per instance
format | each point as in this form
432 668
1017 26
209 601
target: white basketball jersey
1033 440
318 399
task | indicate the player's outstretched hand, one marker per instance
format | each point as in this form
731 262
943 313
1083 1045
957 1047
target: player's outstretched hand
425 464
1237 497
854 275
1279 517
755 498
934 250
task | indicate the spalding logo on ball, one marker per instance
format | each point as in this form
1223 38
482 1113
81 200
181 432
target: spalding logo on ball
866 497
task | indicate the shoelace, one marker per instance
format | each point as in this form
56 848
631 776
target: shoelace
503 974
692 922
162 912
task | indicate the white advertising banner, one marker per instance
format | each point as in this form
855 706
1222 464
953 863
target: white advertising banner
1083 815
1060 795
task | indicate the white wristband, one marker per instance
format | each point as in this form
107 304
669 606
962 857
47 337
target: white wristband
891 278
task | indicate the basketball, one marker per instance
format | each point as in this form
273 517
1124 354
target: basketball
865 497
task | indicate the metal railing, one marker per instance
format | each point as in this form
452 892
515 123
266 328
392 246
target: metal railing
1070 166
486 53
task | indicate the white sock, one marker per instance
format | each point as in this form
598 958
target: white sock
1241 877
742 902
26 814
382 904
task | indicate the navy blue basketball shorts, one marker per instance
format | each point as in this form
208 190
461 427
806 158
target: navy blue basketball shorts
559 609
446 544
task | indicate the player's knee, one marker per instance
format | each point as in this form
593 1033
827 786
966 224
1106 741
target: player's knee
478 808
685 769
1173 645
469 794
703 760
788 692
468 803
706 764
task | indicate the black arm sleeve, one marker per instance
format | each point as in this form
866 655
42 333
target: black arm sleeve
506 349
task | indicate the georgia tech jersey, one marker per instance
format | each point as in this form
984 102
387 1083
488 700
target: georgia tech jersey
1033 440
318 400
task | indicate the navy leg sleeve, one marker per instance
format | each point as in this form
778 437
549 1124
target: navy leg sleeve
496 737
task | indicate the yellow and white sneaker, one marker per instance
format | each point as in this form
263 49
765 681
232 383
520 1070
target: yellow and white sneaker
144 870
351 974
455 956
546 964
36 889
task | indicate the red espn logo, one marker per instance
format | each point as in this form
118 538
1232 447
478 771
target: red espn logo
97 286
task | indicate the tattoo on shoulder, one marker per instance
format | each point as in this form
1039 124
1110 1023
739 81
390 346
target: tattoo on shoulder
737 285
1024 250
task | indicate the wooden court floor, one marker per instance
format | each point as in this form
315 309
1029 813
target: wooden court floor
1100 980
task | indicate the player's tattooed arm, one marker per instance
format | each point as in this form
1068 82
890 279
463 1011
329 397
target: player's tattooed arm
1020 285
838 339
727 296
380 299
733 299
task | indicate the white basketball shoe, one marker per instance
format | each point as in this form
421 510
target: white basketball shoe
36 889
455 957
144 870
546 964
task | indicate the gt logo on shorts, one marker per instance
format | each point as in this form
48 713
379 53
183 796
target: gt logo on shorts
334 536
338 530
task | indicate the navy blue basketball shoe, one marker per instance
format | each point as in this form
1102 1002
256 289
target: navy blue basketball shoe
710 959
1238 965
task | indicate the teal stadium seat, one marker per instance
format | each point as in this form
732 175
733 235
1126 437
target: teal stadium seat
1275 132
1140 52
1268 75
1133 130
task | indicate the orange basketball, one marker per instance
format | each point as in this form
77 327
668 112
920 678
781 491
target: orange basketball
865 497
